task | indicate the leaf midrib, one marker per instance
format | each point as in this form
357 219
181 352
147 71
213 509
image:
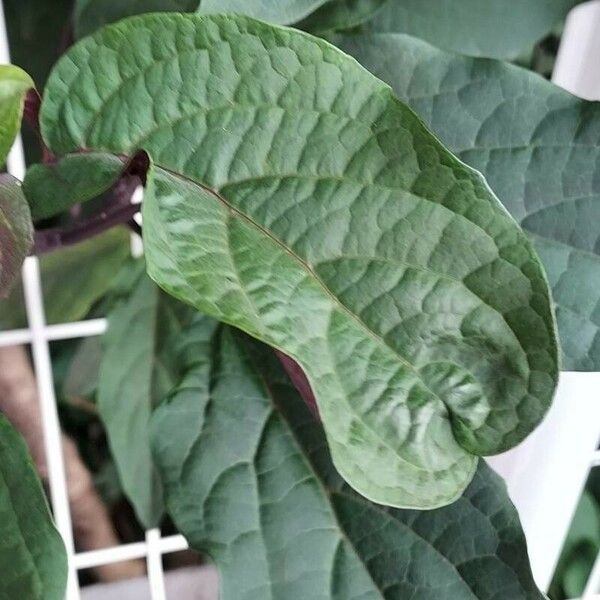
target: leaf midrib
328 492
307 268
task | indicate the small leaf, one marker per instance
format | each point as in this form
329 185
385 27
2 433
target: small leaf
73 279
33 560
16 231
295 197
135 372
538 148
488 28
249 481
14 85
337 15
53 188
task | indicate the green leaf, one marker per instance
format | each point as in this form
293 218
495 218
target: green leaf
136 372
73 279
538 148
487 28
337 15
53 188
33 560
16 231
91 15
282 11
249 481
81 380
14 85
341 232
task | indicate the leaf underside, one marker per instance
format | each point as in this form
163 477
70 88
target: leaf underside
137 371
326 221
486 28
248 479
33 561
537 146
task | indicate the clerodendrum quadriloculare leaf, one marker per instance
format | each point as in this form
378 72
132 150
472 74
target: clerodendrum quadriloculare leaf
295 197
249 480
537 145
33 561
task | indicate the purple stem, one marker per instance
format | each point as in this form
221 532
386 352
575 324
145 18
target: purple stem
117 210
31 115
47 240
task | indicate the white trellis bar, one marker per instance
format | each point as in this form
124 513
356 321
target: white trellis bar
545 475
39 335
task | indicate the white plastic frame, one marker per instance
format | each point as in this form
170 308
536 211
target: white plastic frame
39 335
557 458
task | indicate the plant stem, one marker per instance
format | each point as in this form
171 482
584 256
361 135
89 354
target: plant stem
47 240
117 210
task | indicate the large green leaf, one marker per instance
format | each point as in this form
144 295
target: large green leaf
16 231
33 561
342 233
538 148
73 279
248 480
90 15
492 28
14 85
136 372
